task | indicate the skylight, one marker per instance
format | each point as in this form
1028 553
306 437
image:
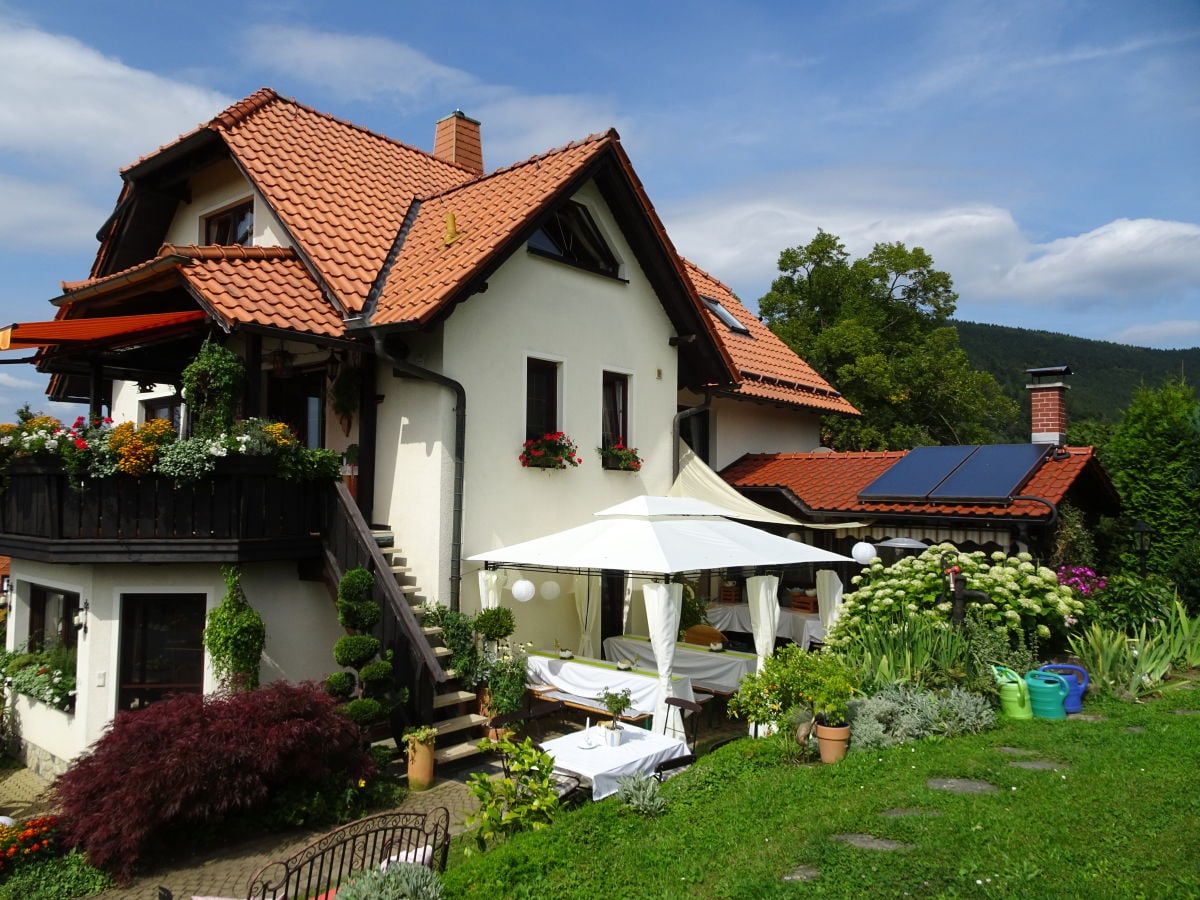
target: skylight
726 317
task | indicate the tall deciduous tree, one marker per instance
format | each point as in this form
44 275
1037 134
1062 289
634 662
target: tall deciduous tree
877 327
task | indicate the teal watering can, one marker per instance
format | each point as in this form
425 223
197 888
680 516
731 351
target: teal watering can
1047 691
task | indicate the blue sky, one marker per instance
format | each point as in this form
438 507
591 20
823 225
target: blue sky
1047 154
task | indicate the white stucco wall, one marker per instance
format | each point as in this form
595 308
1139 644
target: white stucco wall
301 623
738 427
534 307
215 188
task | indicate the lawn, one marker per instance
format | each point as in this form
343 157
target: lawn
1119 816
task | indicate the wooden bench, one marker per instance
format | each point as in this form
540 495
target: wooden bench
592 705
333 859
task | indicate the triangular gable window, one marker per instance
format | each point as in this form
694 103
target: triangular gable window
726 317
571 236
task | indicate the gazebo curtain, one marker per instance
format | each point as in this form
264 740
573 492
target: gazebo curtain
762 596
587 607
490 582
663 605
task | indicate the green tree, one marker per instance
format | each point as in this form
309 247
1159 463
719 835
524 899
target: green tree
1153 459
878 328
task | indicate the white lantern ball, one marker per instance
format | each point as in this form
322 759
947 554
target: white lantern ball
863 553
550 590
523 590
794 536
7 821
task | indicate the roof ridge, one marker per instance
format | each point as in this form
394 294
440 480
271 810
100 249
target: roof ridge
234 251
687 262
595 137
241 110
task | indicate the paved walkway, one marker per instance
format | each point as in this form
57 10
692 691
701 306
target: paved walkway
223 871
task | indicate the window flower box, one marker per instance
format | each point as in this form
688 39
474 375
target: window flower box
618 457
551 451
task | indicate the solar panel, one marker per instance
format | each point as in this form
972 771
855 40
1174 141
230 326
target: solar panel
915 474
993 473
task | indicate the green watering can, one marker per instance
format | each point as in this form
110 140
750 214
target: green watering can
1047 693
1014 695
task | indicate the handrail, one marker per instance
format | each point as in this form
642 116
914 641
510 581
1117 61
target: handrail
349 543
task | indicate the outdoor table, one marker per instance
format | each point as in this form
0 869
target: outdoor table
587 678
796 626
719 672
585 754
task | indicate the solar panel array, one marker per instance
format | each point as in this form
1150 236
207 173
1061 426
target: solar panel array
988 473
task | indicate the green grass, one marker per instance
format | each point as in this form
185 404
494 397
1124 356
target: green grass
1121 818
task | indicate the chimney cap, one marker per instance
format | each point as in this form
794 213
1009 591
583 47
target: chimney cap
1048 371
459 114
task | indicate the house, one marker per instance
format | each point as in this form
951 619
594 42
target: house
392 303
1000 497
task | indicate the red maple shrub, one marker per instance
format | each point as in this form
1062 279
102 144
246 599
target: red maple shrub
169 775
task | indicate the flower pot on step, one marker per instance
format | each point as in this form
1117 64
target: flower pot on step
833 741
420 766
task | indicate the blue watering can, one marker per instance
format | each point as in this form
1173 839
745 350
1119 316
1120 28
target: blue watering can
1077 682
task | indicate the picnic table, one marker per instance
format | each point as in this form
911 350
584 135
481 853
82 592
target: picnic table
716 672
579 681
584 753
800 627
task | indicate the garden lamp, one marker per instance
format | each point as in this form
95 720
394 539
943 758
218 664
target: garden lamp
1142 532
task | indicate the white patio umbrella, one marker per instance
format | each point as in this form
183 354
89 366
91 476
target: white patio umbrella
659 536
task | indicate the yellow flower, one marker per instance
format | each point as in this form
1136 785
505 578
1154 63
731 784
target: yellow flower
362 782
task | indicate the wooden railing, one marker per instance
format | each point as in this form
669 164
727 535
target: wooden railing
244 511
348 544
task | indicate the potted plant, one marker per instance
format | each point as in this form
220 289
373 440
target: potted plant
420 742
506 682
495 624
833 684
616 702
550 451
619 457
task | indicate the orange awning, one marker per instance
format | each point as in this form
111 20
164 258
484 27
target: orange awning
125 329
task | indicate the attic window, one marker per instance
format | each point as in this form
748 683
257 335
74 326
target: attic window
726 317
571 236
231 227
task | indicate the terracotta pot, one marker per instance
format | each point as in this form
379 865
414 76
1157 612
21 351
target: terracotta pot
420 766
833 741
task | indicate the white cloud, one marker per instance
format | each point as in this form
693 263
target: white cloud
1171 333
65 104
516 127
8 380
47 216
355 67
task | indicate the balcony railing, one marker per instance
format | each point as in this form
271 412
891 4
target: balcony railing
243 512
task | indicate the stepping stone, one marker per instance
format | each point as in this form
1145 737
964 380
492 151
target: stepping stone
1039 764
961 786
1012 750
870 842
1136 729
905 812
1186 712
802 873
1085 717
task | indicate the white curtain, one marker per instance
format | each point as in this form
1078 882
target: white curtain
627 604
829 597
490 582
663 605
762 597
587 607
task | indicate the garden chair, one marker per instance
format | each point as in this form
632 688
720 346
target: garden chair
566 785
691 726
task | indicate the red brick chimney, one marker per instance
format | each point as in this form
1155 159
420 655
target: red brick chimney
1048 404
457 141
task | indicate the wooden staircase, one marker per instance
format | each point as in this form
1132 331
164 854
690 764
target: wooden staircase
455 711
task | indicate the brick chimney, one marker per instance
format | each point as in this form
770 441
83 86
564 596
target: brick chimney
457 140
1048 404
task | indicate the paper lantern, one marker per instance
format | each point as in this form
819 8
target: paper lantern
550 590
863 553
522 590
794 536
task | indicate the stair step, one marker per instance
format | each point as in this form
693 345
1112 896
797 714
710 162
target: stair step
388 744
459 723
455 752
442 651
431 630
401 570
384 538
408 588
450 698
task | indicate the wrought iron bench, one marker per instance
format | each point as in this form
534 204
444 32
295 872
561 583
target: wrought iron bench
331 860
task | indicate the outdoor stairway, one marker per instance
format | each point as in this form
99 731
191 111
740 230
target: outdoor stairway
459 724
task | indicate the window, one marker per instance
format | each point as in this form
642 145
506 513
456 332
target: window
168 408
234 226
297 400
161 648
614 425
694 431
571 236
541 398
51 618
726 317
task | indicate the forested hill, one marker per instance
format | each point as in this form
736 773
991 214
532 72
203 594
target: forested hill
1104 377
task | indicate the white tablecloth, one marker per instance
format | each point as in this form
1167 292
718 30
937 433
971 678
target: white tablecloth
588 678
720 672
639 751
800 627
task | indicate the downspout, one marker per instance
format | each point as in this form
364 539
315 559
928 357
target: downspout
1053 509
460 445
675 429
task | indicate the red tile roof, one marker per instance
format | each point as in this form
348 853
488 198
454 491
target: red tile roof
830 482
767 368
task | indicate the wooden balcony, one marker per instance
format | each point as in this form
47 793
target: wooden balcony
243 512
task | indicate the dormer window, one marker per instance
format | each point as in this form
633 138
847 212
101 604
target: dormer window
727 318
571 236
231 227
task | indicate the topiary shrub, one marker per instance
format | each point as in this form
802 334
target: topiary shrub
376 675
495 624
353 651
399 881
235 636
356 610
212 386
362 711
167 776
340 684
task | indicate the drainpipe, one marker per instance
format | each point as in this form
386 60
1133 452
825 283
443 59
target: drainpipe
460 446
675 429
